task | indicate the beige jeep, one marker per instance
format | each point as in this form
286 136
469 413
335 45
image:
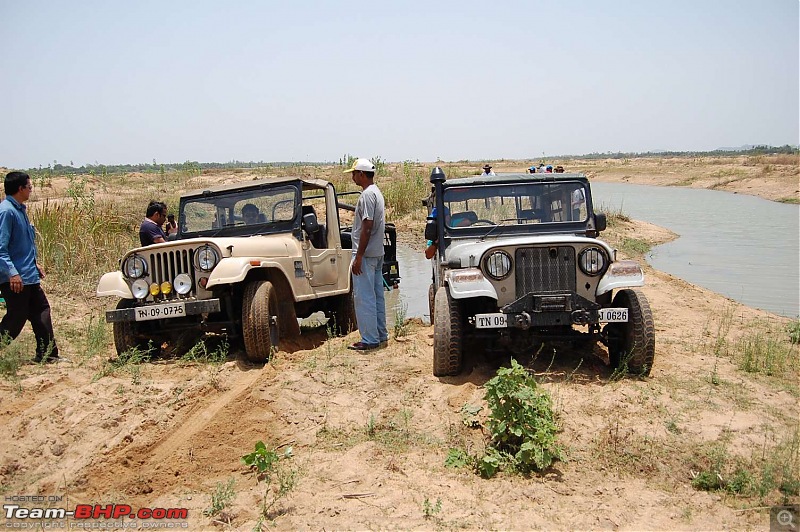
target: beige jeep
248 261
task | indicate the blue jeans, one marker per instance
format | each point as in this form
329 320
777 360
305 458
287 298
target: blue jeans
370 301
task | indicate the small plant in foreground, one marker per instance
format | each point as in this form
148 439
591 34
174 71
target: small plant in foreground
221 498
772 470
458 458
521 423
11 360
129 362
400 326
429 510
269 467
204 352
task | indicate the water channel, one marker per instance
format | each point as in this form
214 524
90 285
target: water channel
741 246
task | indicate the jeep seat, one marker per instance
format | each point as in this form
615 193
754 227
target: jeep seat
319 239
461 219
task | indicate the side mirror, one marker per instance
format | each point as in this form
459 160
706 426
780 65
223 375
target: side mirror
600 221
430 230
310 223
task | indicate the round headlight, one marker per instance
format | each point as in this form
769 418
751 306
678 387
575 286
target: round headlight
154 289
166 288
140 289
206 258
134 267
498 265
183 283
592 261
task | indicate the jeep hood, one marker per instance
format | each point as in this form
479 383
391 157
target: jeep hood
468 252
280 245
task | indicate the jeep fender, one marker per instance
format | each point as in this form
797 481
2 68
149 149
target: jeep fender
232 270
621 274
113 284
465 283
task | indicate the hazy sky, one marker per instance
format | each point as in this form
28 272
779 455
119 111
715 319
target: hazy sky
111 81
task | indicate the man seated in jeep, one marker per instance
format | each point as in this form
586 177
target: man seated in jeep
250 214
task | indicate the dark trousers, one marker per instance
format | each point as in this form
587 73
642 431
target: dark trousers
29 305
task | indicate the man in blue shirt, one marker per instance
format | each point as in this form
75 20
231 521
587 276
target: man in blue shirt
20 275
150 231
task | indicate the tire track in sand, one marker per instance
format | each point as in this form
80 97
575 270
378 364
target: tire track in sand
142 463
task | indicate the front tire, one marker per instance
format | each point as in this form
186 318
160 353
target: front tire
447 334
633 343
126 333
260 320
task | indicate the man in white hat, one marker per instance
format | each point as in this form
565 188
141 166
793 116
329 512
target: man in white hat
368 228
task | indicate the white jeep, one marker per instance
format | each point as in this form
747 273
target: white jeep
518 260
247 261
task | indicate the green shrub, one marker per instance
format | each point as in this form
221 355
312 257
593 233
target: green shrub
521 423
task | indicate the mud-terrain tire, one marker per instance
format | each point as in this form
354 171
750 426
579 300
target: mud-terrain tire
431 301
633 343
260 320
344 315
447 335
125 332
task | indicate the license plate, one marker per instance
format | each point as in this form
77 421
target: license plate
613 314
158 312
495 320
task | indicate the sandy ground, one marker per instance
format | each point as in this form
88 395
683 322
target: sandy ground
369 433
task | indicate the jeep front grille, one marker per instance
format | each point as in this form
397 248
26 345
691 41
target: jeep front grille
166 265
545 269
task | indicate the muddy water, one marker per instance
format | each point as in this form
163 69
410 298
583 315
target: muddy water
743 247
411 298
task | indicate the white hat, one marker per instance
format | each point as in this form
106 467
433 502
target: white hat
363 165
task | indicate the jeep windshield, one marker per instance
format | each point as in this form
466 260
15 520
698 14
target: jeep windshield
515 204
240 212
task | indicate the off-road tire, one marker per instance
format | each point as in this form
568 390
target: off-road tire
344 315
633 343
431 301
125 332
260 320
447 335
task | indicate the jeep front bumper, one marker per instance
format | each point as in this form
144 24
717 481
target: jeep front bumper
154 311
548 310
